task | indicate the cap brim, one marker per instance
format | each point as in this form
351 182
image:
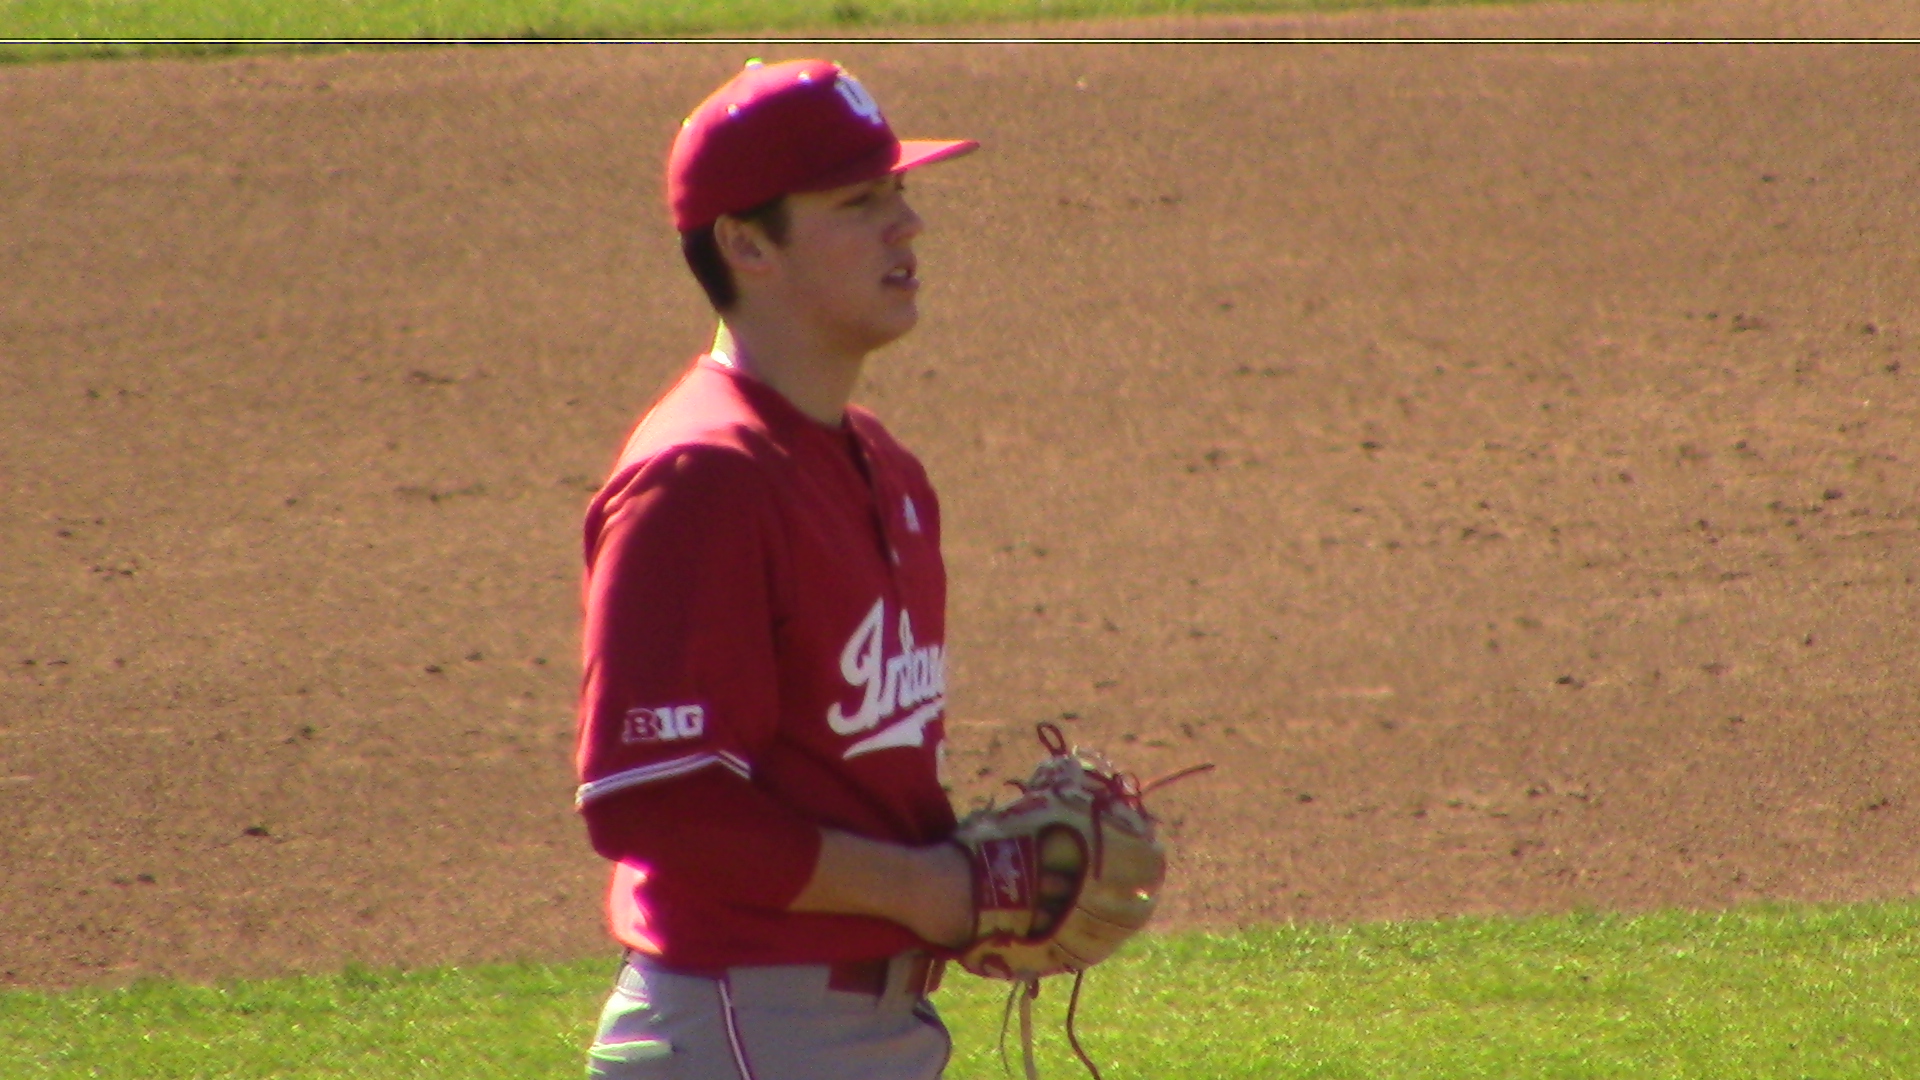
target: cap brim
885 162
917 152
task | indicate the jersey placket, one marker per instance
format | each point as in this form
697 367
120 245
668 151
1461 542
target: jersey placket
881 497
878 500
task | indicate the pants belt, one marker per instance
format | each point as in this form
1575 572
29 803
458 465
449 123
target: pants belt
920 975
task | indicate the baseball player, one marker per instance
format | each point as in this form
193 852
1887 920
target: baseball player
760 719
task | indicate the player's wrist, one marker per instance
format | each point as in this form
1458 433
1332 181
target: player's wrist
945 903
927 889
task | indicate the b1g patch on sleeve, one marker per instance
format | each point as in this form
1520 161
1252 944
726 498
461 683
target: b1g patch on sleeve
664 724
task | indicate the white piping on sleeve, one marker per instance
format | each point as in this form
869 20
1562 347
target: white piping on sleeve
659 770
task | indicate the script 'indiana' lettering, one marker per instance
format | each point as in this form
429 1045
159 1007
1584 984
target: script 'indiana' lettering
888 683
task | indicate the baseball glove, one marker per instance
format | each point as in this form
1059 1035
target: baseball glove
1063 875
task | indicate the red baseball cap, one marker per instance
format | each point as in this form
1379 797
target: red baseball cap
776 129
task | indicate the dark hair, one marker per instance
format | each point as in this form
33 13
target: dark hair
710 268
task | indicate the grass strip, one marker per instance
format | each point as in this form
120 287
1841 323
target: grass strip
61 25
1787 992
497 1021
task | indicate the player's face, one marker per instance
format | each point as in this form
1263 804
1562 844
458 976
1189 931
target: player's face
849 265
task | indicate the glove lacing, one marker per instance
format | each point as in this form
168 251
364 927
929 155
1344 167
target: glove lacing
1115 788
1025 993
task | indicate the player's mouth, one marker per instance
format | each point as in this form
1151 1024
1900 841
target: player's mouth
902 277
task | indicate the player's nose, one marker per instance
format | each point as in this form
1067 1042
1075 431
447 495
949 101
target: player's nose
908 225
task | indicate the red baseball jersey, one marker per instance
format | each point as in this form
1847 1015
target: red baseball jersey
764 653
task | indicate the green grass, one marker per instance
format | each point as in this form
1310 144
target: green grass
518 1021
69 20
1783 993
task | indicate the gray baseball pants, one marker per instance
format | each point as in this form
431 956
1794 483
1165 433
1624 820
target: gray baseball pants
790 1022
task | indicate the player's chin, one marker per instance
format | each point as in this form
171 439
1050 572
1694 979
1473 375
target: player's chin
902 299
899 318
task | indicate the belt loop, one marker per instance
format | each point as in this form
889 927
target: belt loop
869 977
919 975
910 976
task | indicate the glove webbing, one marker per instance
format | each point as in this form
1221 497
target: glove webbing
1025 992
1118 787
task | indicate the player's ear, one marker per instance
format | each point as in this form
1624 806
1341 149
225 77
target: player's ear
743 244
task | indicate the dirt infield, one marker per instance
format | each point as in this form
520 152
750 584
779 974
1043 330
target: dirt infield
1500 458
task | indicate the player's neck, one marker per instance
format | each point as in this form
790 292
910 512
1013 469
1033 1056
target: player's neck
818 381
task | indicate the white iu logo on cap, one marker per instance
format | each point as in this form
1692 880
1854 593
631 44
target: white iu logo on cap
858 99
